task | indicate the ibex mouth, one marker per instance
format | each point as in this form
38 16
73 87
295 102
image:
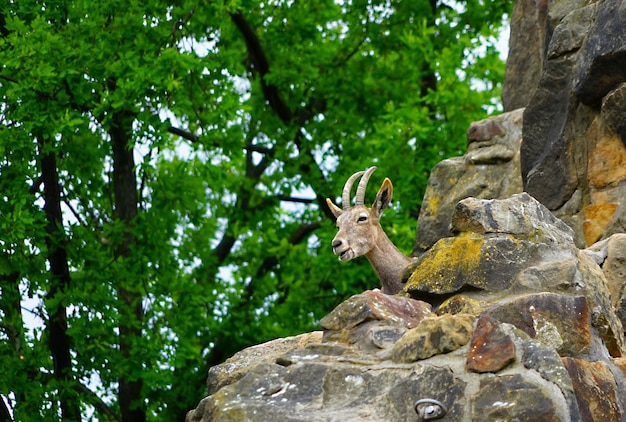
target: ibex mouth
345 255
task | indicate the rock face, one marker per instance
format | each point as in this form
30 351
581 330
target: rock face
516 304
529 27
507 320
573 157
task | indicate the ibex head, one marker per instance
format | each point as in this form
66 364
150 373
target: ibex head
360 232
359 227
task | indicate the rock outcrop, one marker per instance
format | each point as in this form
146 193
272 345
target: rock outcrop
489 169
573 157
507 320
516 304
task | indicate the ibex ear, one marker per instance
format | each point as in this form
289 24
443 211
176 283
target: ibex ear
333 208
383 197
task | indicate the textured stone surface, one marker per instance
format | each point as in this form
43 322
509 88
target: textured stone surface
519 215
374 305
595 389
573 155
513 397
527 40
614 269
238 365
491 349
541 317
489 169
602 63
522 234
470 260
331 382
548 364
432 337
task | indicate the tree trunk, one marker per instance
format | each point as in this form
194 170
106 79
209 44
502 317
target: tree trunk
125 210
58 339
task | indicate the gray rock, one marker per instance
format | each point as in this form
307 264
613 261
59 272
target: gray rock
489 169
573 157
602 64
432 337
513 397
526 44
520 215
549 365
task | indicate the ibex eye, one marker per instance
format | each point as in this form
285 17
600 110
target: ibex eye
361 219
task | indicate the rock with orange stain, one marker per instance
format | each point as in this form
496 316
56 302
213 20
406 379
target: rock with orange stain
598 216
595 389
491 349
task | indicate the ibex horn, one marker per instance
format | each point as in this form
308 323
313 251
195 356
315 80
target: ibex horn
360 190
345 196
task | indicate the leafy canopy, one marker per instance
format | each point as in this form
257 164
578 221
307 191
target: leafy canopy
163 173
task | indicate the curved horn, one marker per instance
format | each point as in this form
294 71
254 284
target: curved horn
345 196
360 190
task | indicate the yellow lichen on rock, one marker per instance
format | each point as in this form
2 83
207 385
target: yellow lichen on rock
448 258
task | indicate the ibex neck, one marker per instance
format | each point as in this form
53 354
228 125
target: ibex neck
388 262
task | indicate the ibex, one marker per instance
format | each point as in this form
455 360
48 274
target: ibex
360 232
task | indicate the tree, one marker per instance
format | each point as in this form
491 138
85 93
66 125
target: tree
164 173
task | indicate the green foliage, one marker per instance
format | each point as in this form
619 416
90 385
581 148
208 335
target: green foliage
242 117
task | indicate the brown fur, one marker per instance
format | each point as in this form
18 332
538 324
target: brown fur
360 233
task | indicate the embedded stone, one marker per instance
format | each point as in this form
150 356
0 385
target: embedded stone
513 397
549 366
598 216
595 389
607 163
375 305
541 317
520 215
462 304
491 349
433 336
429 382
467 260
555 275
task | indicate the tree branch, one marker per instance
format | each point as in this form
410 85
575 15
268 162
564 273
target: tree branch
261 65
101 407
286 198
183 134
300 234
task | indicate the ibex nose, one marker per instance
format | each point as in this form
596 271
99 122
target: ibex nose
336 244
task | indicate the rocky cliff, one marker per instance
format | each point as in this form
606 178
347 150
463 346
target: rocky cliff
515 306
